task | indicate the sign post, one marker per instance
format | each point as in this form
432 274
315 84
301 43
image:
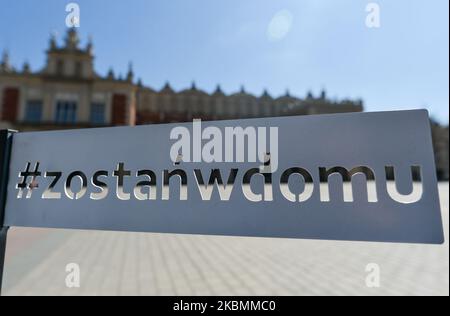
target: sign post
5 150
3 235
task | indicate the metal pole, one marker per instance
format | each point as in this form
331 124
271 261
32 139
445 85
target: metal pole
5 151
3 236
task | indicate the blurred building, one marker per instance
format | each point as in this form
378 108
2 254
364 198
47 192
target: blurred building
441 143
167 105
68 93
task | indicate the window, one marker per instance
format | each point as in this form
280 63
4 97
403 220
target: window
60 67
33 111
97 114
66 112
10 106
78 69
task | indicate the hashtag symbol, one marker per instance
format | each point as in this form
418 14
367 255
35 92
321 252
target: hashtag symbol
24 177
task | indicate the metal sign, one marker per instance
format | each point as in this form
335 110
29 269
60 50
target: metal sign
361 177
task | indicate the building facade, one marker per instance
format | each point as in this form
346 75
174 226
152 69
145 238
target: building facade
167 105
441 146
69 93
66 92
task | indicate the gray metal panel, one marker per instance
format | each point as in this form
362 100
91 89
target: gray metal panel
398 139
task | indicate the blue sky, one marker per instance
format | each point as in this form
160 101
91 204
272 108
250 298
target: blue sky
318 44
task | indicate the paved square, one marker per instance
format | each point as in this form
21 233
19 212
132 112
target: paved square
114 263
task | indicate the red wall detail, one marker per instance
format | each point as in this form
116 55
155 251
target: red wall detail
10 104
119 109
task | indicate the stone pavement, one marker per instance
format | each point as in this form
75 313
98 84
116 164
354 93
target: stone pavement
114 263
